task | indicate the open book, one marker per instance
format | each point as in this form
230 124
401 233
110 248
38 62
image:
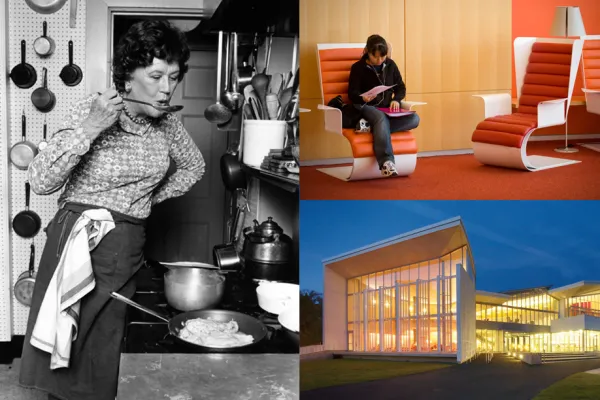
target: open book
376 90
400 113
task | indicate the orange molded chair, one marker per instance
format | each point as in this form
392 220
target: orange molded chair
545 71
335 61
591 72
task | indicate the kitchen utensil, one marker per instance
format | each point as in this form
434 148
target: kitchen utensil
27 223
43 143
247 325
237 97
42 98
23 153
226 255
274 297
168 108
288 93
45 6
267 243
23 288
225 98
44 46
71 74
248 113
289 319
217 113
272 105
231 169
190 288
23 75
260 82
275 84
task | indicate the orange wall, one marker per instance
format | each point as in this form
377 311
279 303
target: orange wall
534 18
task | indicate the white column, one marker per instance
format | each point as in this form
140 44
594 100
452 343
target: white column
366 320
398 344
418 313
381 319
439 315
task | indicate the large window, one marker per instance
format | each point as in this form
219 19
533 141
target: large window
588 305
411 308
522 308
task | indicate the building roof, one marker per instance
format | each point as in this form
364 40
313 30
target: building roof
415 246
580 288
481 296
537 289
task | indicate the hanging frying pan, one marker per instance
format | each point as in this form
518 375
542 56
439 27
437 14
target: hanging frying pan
71 74
43 144
45 6
44 46
27 223
23 75
42 98
24 286
23 153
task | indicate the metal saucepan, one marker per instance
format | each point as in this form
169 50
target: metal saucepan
42 98
247 325
71 74
43 143
226 255
24 286
45 6
191 288
232 173
27 223
23 153
217 113
23 75
44 46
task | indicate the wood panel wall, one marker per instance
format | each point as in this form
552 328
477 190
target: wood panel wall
447 50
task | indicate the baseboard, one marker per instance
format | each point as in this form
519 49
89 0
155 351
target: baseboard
570 138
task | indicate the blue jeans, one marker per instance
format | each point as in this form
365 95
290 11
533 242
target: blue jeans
382 126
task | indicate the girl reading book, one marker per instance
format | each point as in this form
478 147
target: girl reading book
375 68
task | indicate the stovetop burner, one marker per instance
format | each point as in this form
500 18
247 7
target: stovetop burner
147 334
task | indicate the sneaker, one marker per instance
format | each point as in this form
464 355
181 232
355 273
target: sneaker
389 169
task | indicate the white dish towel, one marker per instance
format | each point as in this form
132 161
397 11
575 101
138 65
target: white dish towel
56 325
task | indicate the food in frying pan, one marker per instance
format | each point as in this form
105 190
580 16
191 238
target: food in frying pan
211 333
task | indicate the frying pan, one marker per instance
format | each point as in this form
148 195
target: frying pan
43 144
24 286
231 170
42 98
44 46
23 75
246 323
27 223
45 6
71 74
23 153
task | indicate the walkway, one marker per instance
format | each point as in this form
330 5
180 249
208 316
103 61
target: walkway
504 378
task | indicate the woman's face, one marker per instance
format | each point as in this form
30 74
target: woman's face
155 83
376 58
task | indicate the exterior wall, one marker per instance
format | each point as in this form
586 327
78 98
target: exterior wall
579 322
467 341
334 311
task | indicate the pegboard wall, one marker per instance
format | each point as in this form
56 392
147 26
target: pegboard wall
26 24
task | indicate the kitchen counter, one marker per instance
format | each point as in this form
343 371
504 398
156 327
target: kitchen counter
208 376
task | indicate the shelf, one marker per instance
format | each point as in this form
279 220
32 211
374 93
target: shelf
289 182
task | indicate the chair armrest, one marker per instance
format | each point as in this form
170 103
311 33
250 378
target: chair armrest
333 118
551 112
496 104
408 105
592 100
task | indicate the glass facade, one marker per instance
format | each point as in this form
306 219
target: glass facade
411 308
588 305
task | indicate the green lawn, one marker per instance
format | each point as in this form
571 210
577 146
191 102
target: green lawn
322 373
582 386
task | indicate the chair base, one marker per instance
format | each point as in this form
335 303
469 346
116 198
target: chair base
568 149
365 168
513 157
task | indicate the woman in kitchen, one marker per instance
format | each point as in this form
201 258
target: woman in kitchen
375 68
111 155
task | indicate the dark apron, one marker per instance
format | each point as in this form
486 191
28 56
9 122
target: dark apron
95 355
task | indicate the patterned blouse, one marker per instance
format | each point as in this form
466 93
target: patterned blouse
123 169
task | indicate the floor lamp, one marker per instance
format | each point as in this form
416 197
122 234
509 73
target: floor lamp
567 22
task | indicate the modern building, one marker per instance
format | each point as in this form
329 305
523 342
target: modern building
414 295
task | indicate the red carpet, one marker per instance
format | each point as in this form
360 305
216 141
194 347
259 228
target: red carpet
464 178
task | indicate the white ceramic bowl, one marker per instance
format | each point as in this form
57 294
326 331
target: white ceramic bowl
273 297
290 317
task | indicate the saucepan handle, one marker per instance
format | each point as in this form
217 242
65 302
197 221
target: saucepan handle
138 306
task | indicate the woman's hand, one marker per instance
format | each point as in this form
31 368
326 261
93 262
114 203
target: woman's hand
367 99
394 106
104 112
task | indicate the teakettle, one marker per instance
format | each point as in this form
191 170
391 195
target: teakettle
266 243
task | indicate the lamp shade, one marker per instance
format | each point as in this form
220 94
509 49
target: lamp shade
567 22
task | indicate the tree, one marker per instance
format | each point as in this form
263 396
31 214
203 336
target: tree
311 318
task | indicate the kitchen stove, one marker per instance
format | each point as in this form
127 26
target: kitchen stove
145 333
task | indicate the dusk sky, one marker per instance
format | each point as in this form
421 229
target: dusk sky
515 244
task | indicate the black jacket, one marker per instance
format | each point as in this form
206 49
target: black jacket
364 78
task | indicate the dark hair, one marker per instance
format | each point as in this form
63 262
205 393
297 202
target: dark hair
145 41
376 43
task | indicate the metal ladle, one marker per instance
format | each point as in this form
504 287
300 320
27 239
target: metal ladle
236 98
217 113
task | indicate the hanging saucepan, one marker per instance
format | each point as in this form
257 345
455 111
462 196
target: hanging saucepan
43 144
246 324
23 153
23 75
44 46
71 74
226 255
231 169
45 6
27 223
42 98
24 286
